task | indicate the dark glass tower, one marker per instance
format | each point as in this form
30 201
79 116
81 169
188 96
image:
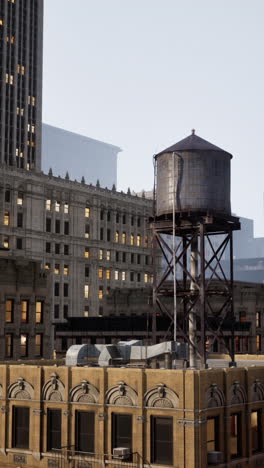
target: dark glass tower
21 46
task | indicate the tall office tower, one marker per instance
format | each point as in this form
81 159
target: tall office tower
21 45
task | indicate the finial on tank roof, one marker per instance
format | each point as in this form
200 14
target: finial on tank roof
193 131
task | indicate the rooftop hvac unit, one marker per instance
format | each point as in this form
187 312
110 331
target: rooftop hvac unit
214 458
121 452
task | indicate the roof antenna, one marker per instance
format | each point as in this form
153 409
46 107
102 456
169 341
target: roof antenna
193 131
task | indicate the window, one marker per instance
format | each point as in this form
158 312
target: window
87 231
108 255
121 430
84 431
108 274
212 434
258 319
258 342
53 429
100 273
146 242
108 216
117 236
161 440
101 254
132 239
19 243
38 345
48 247
124 219
57 206
146 278
7 196
65 289
66 249
47 266
57 249
117 217
56 289
48 205
57 226
7 218
138 240
39 311
108 235
20 427
87 212
101 234
86 291
123 276
132 220
20 199
66 228
6 242
146 260
124 257
102 215
86 311
242 316
48 224
66 270
132 258
20 220
57 269
23 345
56 311
123 238
138 277
9 346
256 431
86 271
24 311
66 208
117 256
87 252
9 310
65 311
131 276
116 274
138 222
138 259
235 435
100 292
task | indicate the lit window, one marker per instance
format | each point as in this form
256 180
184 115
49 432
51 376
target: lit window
87 252
146 278
116 275
86 291
87 231
123 276
9 310
6 242
101 253
138 240
258 319
20 199
87 212
146 242
57 269
66 208
66 270
86 311
132 239
38 345
108 274
108 255
57 206
39 311
23 345
48 205
9 345
100 273
117 236
100 292
47 266
258 342
123 238
24 311
1 22
7 218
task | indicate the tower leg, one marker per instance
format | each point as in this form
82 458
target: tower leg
192 313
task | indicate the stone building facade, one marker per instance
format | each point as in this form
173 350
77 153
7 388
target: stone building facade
25 325
179 418
90 239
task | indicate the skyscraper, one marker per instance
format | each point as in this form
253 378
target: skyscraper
21 44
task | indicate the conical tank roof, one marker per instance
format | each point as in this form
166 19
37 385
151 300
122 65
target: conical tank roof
193 143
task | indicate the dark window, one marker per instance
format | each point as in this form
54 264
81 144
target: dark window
66 250
7 196
256 431
108 216
87 271
84 431
57 226
212 434
138 222
138 259
57 249
65 289
66 228
53 429
48 224
48 247
131 276
138 277
124 257
117 256
56 311
124 219
162 440
56 289
65 311
132 220
146 260
108 235
19 243
101 215
9 346
235 435
38 345
101 233
20 220
132 258
117 217
64 343
122 430
20 427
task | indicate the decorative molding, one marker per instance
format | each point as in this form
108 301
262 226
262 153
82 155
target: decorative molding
121 395
141 419
191 422
53 389
257 391
66 413
237 394
21 390
36 455
84 393
101 416
20 458
214 397
161 397
53 463
37 411
4 409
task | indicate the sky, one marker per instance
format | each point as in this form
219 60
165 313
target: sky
141 74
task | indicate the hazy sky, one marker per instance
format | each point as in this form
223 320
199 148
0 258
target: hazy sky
142 73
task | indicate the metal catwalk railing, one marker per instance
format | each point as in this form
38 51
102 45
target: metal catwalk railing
68 457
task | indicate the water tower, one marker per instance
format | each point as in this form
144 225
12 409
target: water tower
193 232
